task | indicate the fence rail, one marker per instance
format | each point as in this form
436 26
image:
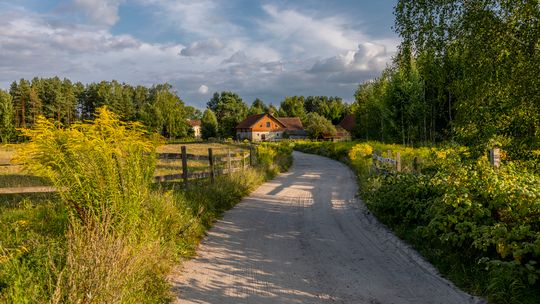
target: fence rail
217 165
214 162
386 164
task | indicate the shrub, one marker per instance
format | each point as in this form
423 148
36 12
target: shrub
479 225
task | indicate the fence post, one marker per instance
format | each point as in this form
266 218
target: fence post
415 164
251 160
398 162
184 166
243 160
229 160
374 163
389 153
495 157
211 161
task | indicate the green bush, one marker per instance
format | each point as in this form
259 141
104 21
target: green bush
478 225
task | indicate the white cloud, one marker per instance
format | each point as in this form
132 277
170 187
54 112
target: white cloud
103 12
203 90
305 34
204 18
207 47
286 52
368 56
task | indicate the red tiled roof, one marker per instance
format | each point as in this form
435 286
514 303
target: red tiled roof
194 122
292 123
348 123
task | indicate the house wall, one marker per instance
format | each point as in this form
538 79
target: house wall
269 136
241 135
267 124
258 136
197 131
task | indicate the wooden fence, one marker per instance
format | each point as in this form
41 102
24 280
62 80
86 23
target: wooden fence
217 165
386 165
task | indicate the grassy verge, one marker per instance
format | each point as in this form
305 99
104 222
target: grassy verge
112 236
479 226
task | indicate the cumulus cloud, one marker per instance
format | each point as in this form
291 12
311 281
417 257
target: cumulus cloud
304 33
284 52
201 48
203 90
103 12
32 46
368 56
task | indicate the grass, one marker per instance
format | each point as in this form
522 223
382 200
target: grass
13 175
112 236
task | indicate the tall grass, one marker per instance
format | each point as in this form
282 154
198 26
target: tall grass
109 235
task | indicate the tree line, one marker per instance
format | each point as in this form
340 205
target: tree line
318 113
466 72
65 102
158 107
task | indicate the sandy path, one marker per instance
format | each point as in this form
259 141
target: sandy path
305 238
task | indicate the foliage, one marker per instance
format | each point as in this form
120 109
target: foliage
65 102
293 106
477 224
209 124
331 108
318 126
7 126
257 107
108 236
230 109
477 61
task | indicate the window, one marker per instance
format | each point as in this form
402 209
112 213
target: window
268 124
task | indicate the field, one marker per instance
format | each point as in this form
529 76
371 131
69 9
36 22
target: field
174 166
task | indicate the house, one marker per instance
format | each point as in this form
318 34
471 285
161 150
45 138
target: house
266 127
344 129
348 123
195 126
295 129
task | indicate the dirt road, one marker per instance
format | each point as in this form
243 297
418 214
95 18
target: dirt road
305 238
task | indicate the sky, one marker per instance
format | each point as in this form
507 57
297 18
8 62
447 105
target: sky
258 49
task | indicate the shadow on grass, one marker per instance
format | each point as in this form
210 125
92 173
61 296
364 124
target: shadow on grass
22 180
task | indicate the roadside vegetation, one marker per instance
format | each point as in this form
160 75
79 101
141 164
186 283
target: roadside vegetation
478 225
111 236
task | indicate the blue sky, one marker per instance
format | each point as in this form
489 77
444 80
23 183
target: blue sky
266 49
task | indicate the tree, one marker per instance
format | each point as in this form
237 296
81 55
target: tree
165 112
272 110
332 108
7 125
258 107
479 61
209 124
317 126
193 113
293 107
230 110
